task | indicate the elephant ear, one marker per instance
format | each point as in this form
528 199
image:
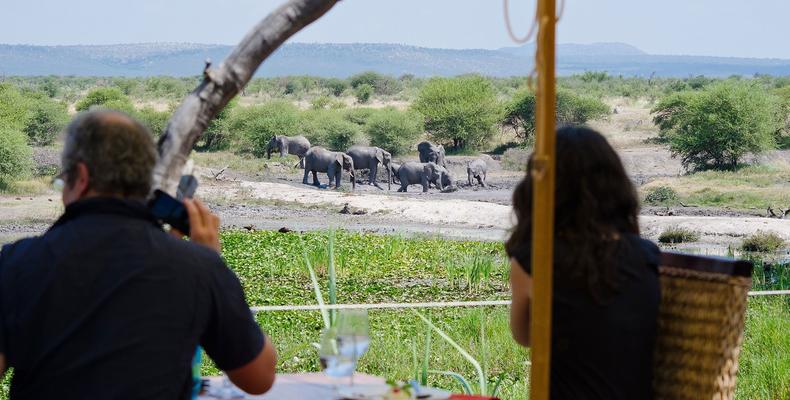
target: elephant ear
380 155
339 159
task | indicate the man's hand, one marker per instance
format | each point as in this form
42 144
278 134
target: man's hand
203 225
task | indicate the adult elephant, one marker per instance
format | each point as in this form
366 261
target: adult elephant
430 152
477 169
318 159
412 173
296 145
367 157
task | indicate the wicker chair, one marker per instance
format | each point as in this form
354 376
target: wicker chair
700 327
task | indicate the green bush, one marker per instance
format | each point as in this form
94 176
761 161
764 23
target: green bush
320 102
336 86
571 109
393 130
13 107
328 128
156 121
105 97
678 235
462 111
217 135
716 126
15 156
763 242
381 84
363 93
46 118
359 115
257 124
661 196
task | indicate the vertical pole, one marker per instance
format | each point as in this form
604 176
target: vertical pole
543 203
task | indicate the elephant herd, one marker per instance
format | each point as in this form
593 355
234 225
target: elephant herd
431 170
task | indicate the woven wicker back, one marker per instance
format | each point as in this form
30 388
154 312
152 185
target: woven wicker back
700 326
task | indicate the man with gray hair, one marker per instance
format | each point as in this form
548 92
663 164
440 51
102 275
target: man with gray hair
106 304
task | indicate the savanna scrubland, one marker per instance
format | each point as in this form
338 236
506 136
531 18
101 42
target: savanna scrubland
709 157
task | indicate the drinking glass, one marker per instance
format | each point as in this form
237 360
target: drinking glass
353 335
335 363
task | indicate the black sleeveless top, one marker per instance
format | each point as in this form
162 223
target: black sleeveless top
604 351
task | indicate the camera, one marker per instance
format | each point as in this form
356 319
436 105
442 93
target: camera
171 211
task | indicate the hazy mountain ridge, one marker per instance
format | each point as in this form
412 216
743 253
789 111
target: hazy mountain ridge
341 60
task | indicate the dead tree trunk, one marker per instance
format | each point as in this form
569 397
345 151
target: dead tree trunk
222 83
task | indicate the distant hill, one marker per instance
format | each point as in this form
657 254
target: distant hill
342 60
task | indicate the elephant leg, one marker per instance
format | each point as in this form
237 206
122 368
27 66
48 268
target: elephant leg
306 173
480 181
469 177
316 182
337 179
403 188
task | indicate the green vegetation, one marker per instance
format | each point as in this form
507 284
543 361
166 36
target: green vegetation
34 113
363 93
676 234
661 196
764 368
257 124
763 242
716 126
463 111
752 187
15 160
105 97
394 130
572 109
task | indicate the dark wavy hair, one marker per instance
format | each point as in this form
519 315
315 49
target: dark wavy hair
595 204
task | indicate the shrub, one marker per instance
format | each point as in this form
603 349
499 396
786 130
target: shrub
320 102
217 135
46 118
329 129
381 84
678 235
717 126
363 93
571 109
462 110
336 86
156 121
763 242
661 196
257 124
105 97
359 115
15 156
393 130
13 107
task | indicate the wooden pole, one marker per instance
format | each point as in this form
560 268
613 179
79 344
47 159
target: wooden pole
543 204
222 83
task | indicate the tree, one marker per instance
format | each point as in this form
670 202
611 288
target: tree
217 135
393 130
571 109
13 107
462 111
716 126
336 86
156 121
105 97
381 84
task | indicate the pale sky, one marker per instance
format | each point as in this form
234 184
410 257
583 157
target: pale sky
695 27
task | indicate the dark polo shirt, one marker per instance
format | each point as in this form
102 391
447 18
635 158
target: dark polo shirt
107 305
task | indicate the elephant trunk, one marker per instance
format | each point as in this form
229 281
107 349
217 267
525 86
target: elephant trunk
353 179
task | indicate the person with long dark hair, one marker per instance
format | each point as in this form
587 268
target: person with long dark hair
606 289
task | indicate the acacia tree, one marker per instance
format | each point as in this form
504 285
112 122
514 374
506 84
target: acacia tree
717 126
462 111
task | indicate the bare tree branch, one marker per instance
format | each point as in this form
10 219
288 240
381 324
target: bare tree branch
221 84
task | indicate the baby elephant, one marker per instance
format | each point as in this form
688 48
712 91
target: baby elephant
319 159
394 171
412 173
477 169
